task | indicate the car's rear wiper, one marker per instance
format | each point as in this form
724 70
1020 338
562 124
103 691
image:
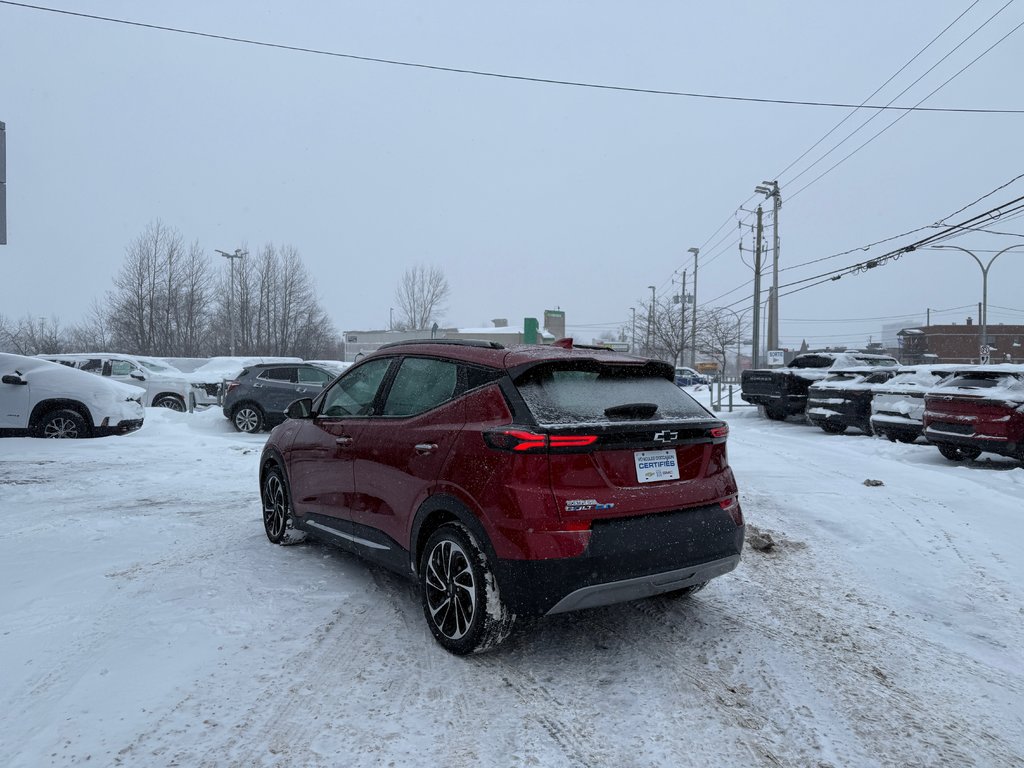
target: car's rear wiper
631 411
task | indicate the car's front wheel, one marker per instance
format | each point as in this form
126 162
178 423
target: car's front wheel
63 423
460 595
277 510
775 411
959 453
248 418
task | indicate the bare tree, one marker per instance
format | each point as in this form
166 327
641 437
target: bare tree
36 336
719 333
421 294
92 333
277 311
146 292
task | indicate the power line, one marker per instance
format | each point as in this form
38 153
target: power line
502 75
874 93
890 125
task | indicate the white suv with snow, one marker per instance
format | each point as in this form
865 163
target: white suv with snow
165 385
44 399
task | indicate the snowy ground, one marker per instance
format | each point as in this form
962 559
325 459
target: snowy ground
146 621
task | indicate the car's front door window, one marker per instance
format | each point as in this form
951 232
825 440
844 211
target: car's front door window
353 394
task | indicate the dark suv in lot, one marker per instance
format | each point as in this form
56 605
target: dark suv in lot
509 481
979 408
257 398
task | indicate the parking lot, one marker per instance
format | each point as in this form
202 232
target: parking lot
147 621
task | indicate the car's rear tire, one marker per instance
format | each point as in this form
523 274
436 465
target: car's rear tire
277 508
775 412
959 453
832 428
171 402
461 602
248 418
63 423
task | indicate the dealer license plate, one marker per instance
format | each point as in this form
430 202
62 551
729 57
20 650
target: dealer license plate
653 466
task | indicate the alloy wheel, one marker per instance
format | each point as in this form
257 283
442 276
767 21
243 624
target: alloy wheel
450 589
61 427
275 507
247 420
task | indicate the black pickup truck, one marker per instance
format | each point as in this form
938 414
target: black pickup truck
783 391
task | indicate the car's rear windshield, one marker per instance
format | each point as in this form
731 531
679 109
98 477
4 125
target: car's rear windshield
980 380
588 393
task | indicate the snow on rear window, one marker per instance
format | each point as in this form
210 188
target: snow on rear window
570 395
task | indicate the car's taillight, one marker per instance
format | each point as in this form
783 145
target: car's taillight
732 506
722 431
229 385
524 441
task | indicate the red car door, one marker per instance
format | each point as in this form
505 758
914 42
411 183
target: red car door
320 458
400 451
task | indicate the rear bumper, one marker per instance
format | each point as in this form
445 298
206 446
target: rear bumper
1001 445
626 559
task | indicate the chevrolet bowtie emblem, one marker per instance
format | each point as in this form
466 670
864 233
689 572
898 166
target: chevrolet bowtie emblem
665 436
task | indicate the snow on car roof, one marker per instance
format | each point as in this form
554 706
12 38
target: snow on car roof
75 380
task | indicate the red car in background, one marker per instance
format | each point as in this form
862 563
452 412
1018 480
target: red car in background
509 481
980 408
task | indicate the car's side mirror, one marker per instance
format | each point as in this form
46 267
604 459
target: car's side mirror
300 409
138 376
12 379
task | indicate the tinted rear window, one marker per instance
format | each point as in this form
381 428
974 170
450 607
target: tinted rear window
573 394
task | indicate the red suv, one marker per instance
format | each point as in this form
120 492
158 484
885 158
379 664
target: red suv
509 481
979 408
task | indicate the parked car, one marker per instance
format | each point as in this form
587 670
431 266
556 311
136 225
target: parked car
897 406
687 377
516 481
258 397
208 379
980 408
783 391
165 385
45 399
843 398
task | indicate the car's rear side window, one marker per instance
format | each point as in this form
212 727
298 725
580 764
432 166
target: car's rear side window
573 394
421 384
279 374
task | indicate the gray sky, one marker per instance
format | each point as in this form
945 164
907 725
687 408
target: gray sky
530 196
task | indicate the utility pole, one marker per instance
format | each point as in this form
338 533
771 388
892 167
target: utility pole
693 320
771 189
757 292
632 338
232 257
3 183
682 320
650 323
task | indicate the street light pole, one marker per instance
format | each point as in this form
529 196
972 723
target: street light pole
983 349
238 254
693 320
391 319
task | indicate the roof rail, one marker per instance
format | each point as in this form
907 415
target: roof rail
454 342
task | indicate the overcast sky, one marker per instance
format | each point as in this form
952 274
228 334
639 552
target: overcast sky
530 196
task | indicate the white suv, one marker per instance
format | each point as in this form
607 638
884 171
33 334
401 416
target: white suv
49 400
166 386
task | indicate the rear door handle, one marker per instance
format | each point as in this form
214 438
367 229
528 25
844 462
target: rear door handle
344 440
426 447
